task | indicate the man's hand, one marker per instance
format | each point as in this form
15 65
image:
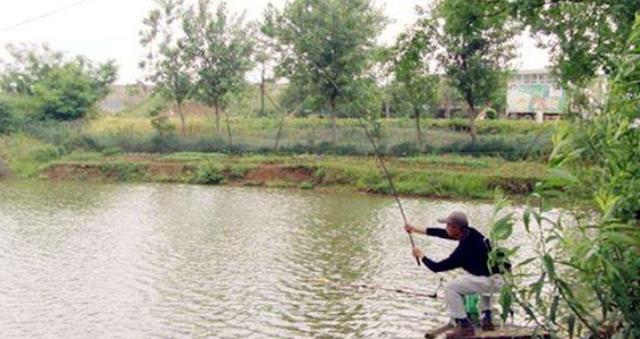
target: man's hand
417 252
409 228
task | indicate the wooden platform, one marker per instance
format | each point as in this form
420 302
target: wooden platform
508 332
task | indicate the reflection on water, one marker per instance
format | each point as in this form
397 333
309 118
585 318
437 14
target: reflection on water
92 260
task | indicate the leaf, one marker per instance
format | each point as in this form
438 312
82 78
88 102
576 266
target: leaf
526 218
526 262
554 308
571 325
506 300
502 228
549 266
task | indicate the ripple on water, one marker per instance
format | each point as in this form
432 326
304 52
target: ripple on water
87 260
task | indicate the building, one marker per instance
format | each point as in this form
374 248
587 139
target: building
535 94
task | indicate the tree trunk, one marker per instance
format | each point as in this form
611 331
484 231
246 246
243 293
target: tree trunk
334 127
217 117
262 91
279 134
228 128
418 131
387 112
183 122
472 125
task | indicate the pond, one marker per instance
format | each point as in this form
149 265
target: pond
150 260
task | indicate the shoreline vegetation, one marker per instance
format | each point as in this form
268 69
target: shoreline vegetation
508 156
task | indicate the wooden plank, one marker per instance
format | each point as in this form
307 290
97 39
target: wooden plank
433 334
508 332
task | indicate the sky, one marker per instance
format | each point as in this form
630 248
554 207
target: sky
108 29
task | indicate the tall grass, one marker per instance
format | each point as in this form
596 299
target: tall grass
508 139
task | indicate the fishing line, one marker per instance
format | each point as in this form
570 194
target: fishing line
370 137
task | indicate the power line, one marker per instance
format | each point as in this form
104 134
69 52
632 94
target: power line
43 16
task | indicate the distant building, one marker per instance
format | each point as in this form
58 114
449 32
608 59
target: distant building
121 97
535 94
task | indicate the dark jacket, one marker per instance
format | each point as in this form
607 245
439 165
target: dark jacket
472 254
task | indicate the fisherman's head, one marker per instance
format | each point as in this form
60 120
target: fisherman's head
457 224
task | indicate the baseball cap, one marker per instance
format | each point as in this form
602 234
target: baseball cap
456 218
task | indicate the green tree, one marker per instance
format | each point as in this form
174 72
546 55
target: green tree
587 275
64 88
168 65
473 42
415 79
586 36
221 46
326 48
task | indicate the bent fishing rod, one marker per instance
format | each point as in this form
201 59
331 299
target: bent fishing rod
375 287
370 137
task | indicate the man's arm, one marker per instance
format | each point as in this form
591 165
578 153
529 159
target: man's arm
452 262
448 264
434 232
438 232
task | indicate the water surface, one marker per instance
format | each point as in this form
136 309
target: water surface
84 260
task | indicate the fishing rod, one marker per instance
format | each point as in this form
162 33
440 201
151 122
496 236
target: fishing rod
375 287
378 156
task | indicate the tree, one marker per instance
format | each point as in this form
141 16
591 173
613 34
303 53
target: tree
168 65
63 88
265 57
326 48
474 44
414 76
583 36
587 275
221 46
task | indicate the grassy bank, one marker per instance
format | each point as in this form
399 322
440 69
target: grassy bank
427 176
511 140
508 155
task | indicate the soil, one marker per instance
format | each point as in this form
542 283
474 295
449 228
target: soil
270 173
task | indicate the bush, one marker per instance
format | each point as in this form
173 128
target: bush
209 173
64 88
111 151
406 149
45 153
122 171
7 123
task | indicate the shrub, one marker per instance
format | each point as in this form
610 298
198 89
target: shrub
65 88
111 151
405 149
209 173
7 123
122 171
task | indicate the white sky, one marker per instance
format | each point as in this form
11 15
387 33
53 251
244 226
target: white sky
108 29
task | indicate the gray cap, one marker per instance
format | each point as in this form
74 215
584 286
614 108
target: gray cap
456 218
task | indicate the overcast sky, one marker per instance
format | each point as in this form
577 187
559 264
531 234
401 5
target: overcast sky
108 29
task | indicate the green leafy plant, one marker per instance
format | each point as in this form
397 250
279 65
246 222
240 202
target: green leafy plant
584 276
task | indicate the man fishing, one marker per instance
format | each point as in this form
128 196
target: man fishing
472 255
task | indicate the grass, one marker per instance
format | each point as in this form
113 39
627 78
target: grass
514 139
129 149
433 176
24 156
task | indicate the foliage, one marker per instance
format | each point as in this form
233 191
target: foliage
7 120
63 88
325 48
416 82
584 36
168 65
473 42
221 47
24 155
588 272
209 173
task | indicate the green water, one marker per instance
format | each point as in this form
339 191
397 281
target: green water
85 260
